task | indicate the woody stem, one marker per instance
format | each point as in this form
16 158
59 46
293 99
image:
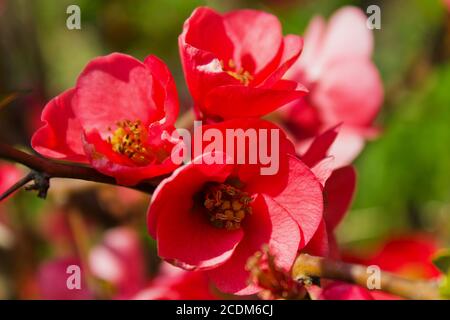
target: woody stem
44 169
307 266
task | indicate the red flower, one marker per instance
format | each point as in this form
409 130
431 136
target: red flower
214 217
345 86
113 119
177 284
233 63
408 255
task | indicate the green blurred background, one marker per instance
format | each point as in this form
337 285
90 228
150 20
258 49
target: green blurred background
403 176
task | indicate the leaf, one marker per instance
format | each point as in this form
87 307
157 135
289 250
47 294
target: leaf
442 261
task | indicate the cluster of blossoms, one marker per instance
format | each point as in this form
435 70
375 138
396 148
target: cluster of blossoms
210 217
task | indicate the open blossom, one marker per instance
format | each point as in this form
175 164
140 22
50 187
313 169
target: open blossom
173 283
215 216
233 63
409 256
113 119
344 84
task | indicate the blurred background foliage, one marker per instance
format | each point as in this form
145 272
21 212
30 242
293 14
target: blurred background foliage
403 176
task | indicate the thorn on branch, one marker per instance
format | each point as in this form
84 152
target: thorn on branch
41 184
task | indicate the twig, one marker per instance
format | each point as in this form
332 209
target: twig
19 184
307 266
44 169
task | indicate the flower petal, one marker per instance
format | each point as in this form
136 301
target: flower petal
346 37
115 88
257 38
292 47
350 92
249 101
338 194
299 192
61 136
318 150
168 91
269 224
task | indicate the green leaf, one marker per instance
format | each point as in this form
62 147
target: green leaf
442 260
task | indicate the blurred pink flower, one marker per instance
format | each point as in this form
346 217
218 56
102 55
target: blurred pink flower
345 86
117 260
9 174
174 283
447 4
52 281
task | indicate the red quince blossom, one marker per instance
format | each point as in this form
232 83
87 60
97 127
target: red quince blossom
173 283
113 119
233 63
409 256
344 84
214 217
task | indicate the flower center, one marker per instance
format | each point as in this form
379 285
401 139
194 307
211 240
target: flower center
226 205
239 74
129 140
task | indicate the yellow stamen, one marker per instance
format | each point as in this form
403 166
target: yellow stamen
226 205
129 140
240 74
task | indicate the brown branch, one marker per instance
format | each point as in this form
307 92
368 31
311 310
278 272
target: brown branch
44 169
307 266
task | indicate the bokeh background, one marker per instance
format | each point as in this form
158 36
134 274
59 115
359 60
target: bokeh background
403 176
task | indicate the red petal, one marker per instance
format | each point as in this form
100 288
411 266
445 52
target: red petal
168 91
323 169
115 88
257 38
237 101
318 149
319 244
297 190
61 135
292 47
338 193
344 291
